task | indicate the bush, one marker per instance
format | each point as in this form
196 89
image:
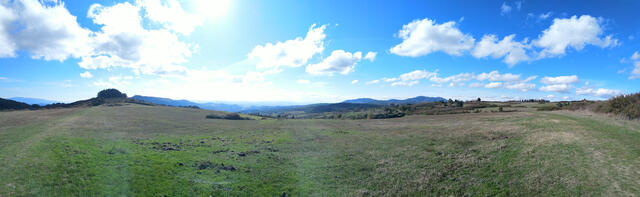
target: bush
111 93
548 108
229 116
625 105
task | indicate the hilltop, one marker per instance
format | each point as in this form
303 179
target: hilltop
414 100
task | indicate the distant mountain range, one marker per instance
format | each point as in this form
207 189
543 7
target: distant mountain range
414 100
32 101
360 103
348 105
312 107
178 103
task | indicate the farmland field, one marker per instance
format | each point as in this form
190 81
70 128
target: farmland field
134 150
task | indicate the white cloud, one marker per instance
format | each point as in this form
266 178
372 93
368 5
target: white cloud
292 53
373 82
303 81
462 77
635 56
496 80
405 83
556 88
416 75
560 80
530 78
513 51
505 9
114 82
496 76
86 75
635 73
354 81
422 37
7 46
493 85
475 85
600 92
550 96
573 33
124 42
48 32
545 15
171 15
522 86
390 79
371 56
410 78
559 83
338 62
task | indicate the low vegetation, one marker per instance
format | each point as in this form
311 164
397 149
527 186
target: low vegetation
623 105
6 104
370 111
141 150
228 116
627 106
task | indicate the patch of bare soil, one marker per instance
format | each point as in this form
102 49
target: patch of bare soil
208 165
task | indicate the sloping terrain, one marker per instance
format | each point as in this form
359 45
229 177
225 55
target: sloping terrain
132 150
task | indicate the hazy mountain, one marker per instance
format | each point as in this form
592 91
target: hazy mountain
414 100
318 107
32 101
178 103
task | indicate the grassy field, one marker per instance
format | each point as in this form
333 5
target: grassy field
136 150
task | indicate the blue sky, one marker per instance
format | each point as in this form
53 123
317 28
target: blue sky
319 51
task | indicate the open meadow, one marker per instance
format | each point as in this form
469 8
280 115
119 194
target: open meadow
135 150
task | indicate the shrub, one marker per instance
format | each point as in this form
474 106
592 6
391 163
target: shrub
229 116
548 108
625 105
111 93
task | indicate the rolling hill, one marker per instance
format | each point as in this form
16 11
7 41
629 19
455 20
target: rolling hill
414 100
179 103
8 104
31 101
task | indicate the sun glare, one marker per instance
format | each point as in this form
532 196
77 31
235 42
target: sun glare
212 9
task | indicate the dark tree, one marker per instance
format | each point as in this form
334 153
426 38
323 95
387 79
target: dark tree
479 99
111 93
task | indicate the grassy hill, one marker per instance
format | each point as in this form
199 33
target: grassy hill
140 150
6 104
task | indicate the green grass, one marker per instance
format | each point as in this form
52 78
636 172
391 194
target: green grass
136 150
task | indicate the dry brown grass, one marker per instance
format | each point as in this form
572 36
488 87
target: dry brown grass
558 153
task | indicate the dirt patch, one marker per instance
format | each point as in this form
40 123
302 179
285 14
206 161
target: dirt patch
165 146
220 151
208 165
243 154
